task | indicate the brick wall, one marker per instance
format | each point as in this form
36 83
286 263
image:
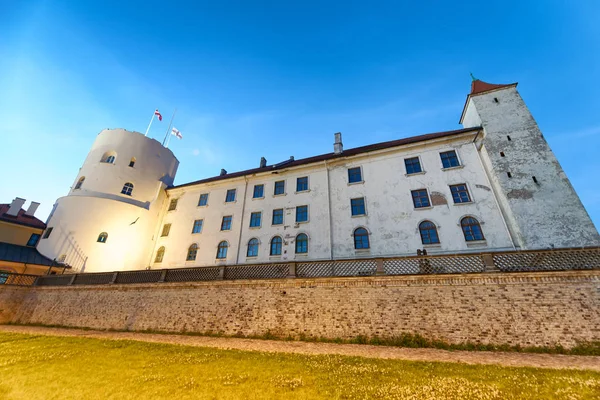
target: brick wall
520 308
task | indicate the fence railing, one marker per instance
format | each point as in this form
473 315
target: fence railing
8 278
511 261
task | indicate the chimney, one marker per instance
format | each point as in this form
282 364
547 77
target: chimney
15 206
32 208
263 162
291 158
223 172
338 146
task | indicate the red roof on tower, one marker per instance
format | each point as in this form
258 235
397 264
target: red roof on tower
478 86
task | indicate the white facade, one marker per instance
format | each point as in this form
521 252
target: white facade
402 211
98 206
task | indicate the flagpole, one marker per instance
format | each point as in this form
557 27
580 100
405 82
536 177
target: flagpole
151 119
169 130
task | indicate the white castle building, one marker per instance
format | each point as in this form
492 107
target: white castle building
494 185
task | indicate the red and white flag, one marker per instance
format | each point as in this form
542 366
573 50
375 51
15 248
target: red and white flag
158 114
176 132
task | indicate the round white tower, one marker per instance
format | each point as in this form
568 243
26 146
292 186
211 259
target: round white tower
108 221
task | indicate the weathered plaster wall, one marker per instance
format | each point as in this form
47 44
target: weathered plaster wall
11 299
524 308
544 214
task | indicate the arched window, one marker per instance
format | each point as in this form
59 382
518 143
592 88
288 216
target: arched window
102 237
428 232
301 244
79 183
471 229
109 157
276 246
222 250
192 251
252 248
132 162
361 239
127 188
160 254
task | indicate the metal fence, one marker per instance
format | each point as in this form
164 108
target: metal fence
511 261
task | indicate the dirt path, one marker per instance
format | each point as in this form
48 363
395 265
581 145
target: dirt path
469 357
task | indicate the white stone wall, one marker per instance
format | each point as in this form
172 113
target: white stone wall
391 217
541 215
98 206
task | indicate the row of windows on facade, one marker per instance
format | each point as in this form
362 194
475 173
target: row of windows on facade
470 226
127 187
413 165
111 156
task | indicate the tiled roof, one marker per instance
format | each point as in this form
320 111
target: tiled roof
331 156
23 254
21 218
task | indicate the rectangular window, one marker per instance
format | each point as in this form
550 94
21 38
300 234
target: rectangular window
460 194
47 233
230 196
358 206
33 239
197 228
203 201
279 188
420 198
278 216
226 223
166 230
413 165
449 159
354 175
173 204
302 184
301 213
259 191
255 218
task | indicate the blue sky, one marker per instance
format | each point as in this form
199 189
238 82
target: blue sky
276 79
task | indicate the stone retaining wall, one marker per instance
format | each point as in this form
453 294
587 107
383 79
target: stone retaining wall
546 308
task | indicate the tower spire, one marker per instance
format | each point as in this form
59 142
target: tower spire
473 77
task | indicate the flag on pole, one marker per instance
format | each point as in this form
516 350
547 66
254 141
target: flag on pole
176 132
158 114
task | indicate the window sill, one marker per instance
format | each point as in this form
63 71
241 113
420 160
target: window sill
423 208
280 195
254 227
302 191
457 167
277 224
356 183
432 246
171 210
362 251
196 233
274 257
359 215
226 230
464 203
416 173
301 222
477 243
251 257
300 255
229 202
258 198
204 206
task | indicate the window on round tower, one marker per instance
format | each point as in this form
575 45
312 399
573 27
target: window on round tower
127 189
79 183
109 157
102 237
132 162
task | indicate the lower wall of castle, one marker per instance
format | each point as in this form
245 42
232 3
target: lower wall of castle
524 309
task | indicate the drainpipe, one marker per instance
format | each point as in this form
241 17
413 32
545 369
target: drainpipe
512 241
237 261
329 213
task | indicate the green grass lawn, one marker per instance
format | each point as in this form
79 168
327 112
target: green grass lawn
44 367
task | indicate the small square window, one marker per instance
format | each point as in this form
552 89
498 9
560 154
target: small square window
460 193
279 188
47 233
301 213
420 198
166 230
255 218
449 159
33 239
278 216
203 201
358 206
259 191
197 228
230 196
173 204
302 184
413 165
226 223
354 175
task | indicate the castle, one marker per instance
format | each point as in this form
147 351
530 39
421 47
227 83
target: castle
494 185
